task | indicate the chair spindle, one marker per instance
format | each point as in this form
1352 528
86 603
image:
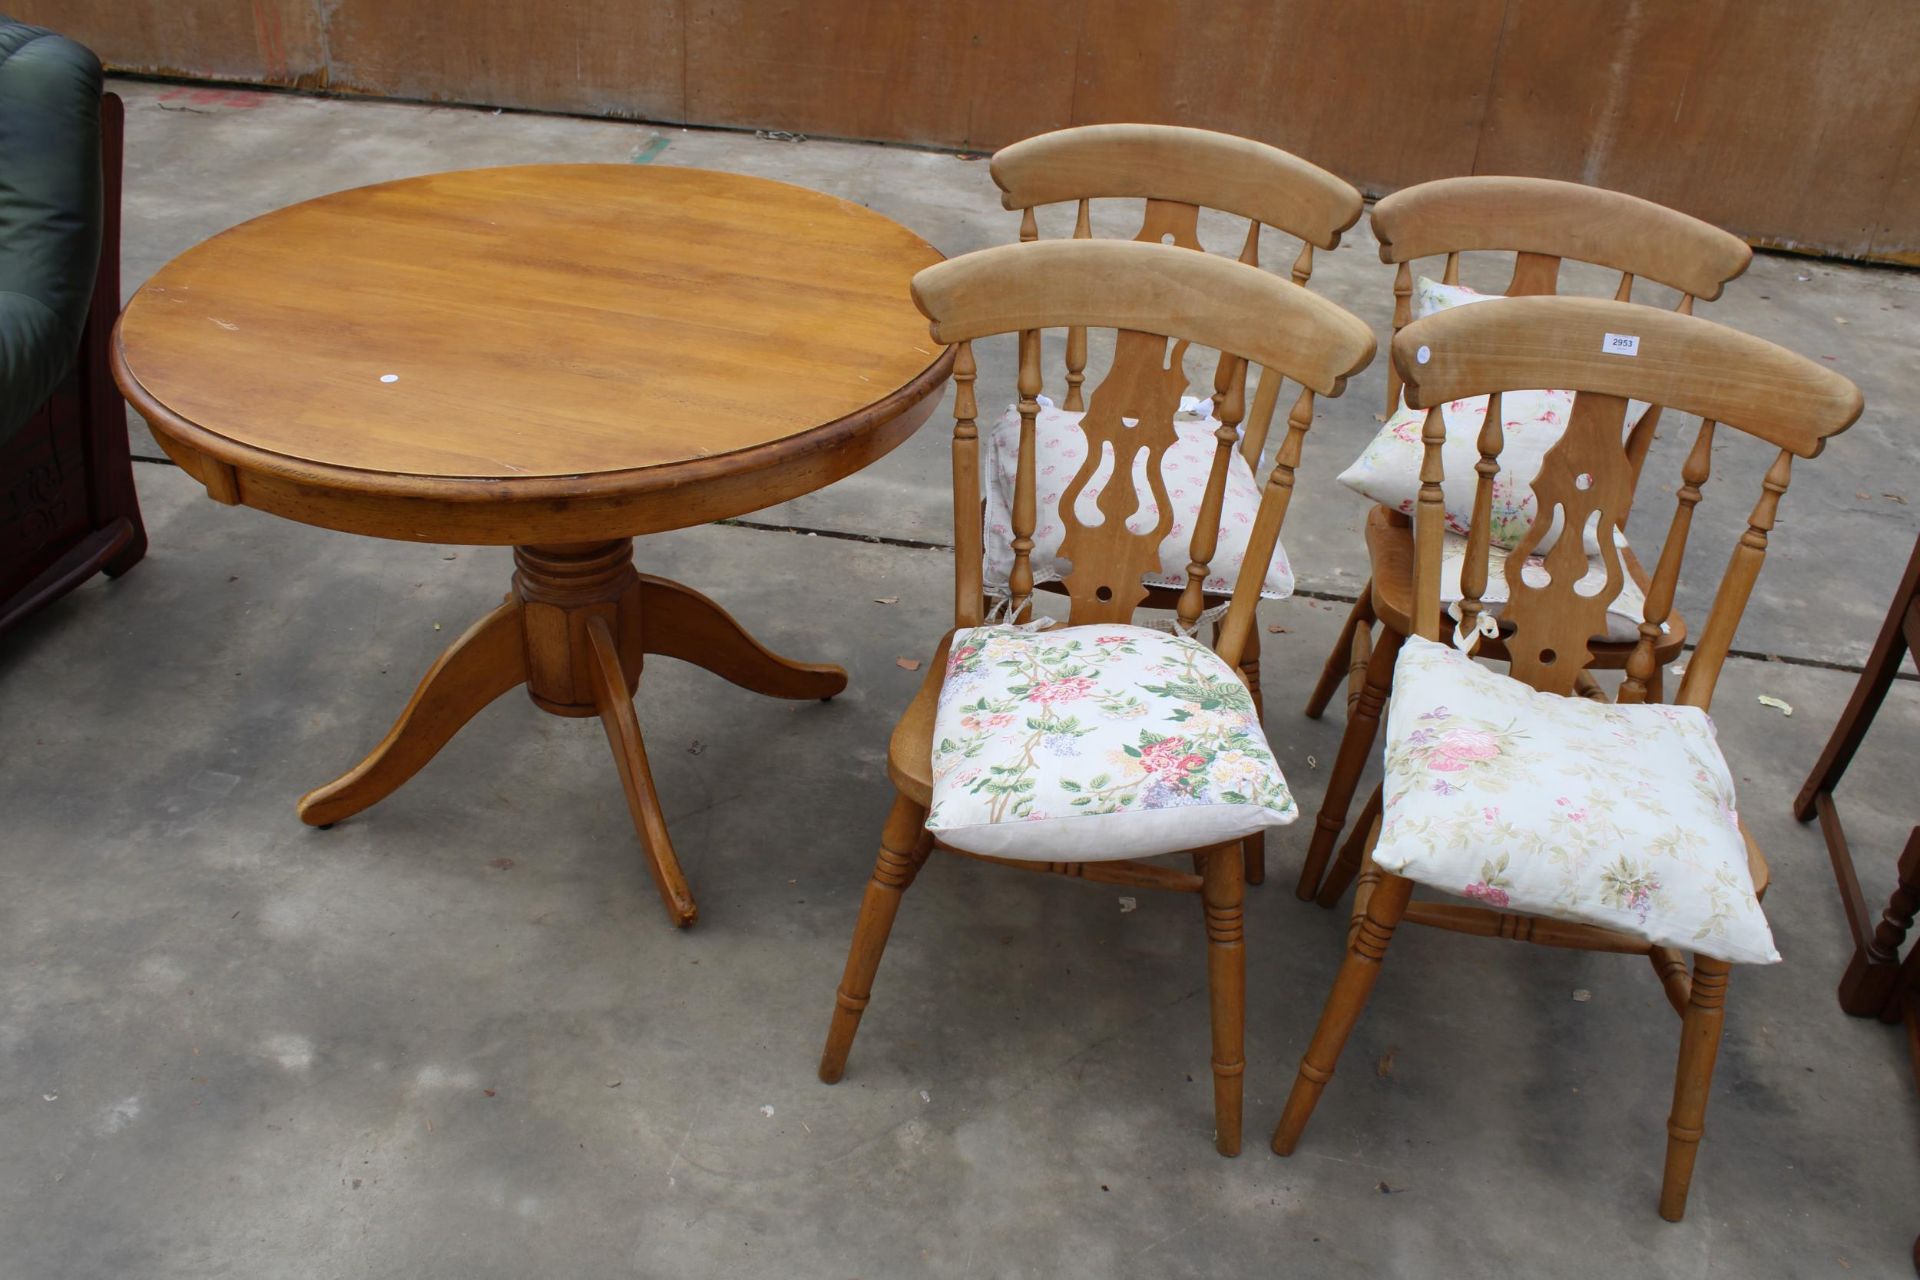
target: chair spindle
968 535
1473 570
1077 335
1303 265
1666 575
1237 627
1020 577
1696 689
1229 406
1402 314
1430 524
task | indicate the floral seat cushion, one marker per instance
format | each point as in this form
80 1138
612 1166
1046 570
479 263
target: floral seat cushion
1619 816
1096 742
1388 469
1059 448
1624 612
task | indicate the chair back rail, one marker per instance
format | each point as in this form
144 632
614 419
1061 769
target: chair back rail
1177 172
1159 300
1542 222
1586 480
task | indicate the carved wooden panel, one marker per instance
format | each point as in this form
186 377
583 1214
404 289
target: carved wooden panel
1130 413
1585 484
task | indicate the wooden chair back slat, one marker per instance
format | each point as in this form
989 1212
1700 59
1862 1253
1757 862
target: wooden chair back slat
1586 480
1186 166
1533 274
1117 284
1131 414
1781 397
1560 220
1158 299
1543 222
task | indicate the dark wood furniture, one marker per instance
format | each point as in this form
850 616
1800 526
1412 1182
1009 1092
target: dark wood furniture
67 505
555 358
1877 983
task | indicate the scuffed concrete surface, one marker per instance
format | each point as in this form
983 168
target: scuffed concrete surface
233 1045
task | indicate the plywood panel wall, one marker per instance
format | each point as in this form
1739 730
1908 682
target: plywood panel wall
1791 122
1313 76
595 57
1781 120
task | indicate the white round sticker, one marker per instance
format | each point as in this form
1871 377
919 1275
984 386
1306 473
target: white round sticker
1423 355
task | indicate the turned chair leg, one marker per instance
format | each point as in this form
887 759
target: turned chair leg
1699 1045
1255 845
1339 662
1221 892
1356 744
904 846
1347 865
1358 972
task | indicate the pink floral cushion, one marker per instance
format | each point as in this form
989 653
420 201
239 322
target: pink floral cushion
1388 469
1096 742
1059 449
1620 816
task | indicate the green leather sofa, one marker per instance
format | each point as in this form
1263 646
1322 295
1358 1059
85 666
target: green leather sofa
67 504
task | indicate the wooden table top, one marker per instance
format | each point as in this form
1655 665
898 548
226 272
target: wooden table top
537 353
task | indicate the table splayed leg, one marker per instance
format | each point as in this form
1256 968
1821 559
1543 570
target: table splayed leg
681 623
575 631
622 724
486 661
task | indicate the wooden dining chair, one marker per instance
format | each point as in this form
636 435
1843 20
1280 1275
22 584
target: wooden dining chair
1542 223
1525 760
1153 297
1177 172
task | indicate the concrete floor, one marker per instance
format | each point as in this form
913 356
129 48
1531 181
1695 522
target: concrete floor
234 1046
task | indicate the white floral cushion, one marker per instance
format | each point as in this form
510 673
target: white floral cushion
1388 469
1059 448
1624 612
1096 742
1620 816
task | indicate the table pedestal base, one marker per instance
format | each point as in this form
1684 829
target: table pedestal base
575 631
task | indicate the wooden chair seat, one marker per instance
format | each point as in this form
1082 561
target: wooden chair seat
1390 556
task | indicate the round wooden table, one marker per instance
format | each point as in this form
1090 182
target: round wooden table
553 357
